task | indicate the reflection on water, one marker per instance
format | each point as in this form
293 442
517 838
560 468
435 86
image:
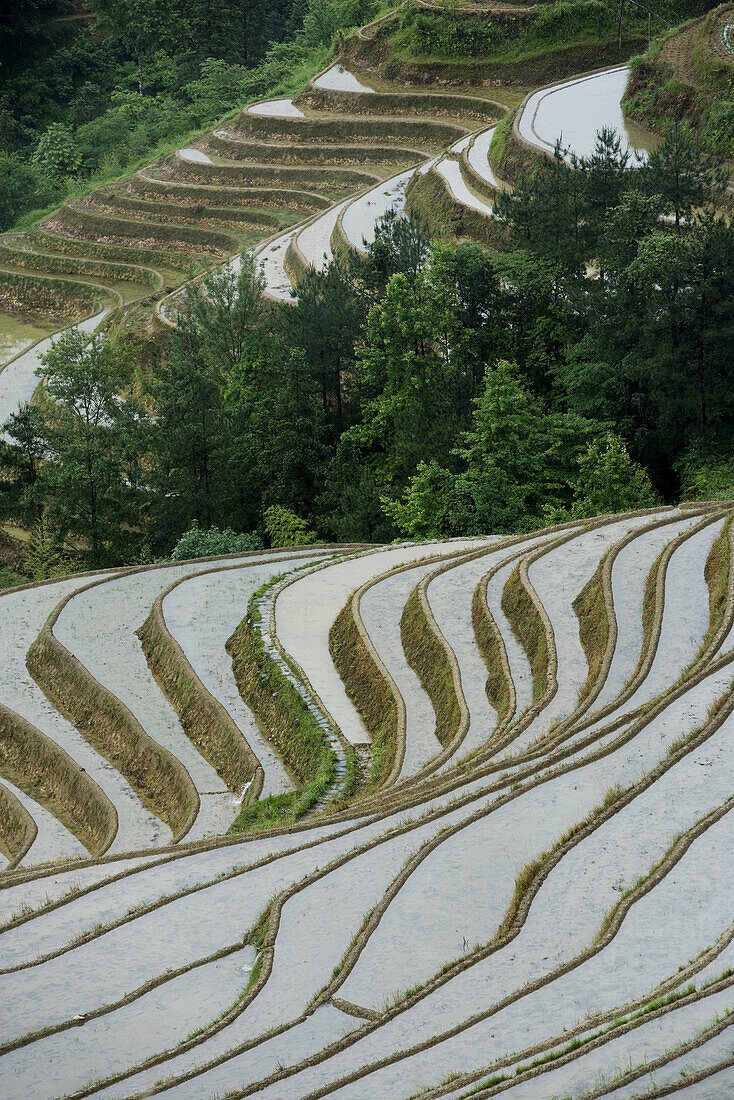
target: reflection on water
361 216
575 110
194 155
478 157
339 79
277 108
18 332
451 172
271 256
314 240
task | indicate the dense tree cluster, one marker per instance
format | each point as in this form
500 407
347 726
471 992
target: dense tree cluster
417 391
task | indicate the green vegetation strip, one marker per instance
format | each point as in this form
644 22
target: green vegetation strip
371 693
175 212
285 719
17 828
347 130
204 720
594 624
290 199
43 771
428 657
428 196
500 687
531 45
58 264
86 219
720 581
37 293
68 246
305 154
522 609
156 775
402 103
318 177
508 155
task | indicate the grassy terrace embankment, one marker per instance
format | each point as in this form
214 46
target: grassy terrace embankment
616 826
287 722
519 44
686 74
176 213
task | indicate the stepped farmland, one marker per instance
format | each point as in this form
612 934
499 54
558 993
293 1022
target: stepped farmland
511 877
438 817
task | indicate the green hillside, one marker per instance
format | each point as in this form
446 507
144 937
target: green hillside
689 75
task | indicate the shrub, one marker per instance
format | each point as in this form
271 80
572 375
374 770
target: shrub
23 186
609 481
198 542
57 153
9 578
285 528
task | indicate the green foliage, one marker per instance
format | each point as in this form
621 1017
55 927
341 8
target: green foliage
503 36
428 507
46 556
504 452
681 175
706 476
9 578
291 724
498 145
323 19
198 543
220 86
23 186
138 27
516 460
20 499
56 153
93 438
284 528
719 125
204 464
644 348
77 455
697 94
609 481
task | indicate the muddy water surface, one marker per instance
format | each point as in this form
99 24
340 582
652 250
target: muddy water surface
18 333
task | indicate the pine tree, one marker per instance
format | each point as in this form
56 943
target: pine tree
681 175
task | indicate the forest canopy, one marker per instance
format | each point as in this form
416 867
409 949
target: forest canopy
424 389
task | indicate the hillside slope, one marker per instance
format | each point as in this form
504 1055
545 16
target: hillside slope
516 879
688 75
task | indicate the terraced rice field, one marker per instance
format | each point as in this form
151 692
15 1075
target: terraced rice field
310 822
299 181
517 878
